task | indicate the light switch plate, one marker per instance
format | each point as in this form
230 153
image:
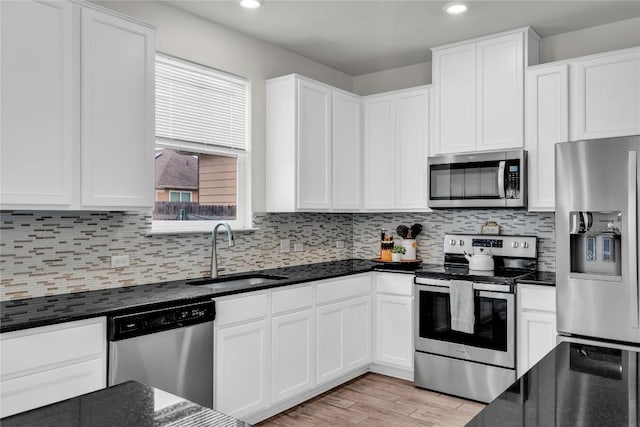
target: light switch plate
298 247
119 261
285 246
339 244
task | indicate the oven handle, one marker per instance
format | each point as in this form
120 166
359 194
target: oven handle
486 294
444 284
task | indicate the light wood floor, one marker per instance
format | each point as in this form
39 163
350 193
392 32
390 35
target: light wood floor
378 400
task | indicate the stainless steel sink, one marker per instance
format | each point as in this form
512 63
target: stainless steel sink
248 280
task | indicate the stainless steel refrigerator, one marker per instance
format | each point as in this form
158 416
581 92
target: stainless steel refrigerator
597 239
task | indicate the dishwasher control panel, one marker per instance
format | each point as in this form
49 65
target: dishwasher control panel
133 325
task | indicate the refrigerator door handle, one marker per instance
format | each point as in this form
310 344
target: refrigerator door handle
632 218
501 190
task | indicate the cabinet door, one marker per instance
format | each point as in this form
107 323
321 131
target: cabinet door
50 386
605 96
117 112
412 139
292 354
536 337
454 85
329 342
242 369
347 152
500 123
357 332
547 122
379 153
394 330
37 108
314 146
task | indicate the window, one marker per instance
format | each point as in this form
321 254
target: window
202 147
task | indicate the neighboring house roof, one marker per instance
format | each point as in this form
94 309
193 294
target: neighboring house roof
176 170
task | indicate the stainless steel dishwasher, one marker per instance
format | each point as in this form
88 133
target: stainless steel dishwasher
170 349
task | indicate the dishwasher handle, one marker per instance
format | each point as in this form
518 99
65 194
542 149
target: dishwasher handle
148 322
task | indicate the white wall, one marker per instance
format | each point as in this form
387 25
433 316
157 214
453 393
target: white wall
602 38
193 38
396 78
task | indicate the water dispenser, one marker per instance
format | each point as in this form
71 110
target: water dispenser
595 242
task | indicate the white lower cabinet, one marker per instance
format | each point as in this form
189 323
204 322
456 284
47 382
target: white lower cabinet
394 320
343 337
292 354
275 349
536 324
242 369
44 365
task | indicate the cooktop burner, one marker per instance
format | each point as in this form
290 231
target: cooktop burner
514 258
462 272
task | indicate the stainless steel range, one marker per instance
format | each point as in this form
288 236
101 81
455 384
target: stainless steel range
478 363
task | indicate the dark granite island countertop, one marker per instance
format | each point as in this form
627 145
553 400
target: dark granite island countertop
128 404
48 310
574 385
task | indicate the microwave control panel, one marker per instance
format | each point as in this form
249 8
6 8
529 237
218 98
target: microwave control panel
512 179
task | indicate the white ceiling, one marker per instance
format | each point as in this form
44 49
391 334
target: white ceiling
359 37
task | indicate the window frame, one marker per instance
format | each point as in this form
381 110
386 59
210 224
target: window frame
243 219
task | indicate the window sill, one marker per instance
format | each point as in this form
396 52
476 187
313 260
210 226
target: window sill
197 230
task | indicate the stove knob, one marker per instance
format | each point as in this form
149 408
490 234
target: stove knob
515 244
452 242
524 245
461 242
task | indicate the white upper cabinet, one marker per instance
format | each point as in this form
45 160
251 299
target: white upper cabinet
313 147
77 108
118 107
37 124
454 92
396 141
547 109
347 151
479 92
605 95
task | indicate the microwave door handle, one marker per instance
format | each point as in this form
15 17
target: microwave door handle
632 215
501 166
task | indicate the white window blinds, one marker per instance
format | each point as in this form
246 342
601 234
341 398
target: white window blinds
200 105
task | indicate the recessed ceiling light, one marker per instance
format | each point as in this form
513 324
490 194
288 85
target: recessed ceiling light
251 4
456 7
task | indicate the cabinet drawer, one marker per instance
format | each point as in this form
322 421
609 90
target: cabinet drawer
36 348
292 299
394 283
241 309
535 297
50 386
344 288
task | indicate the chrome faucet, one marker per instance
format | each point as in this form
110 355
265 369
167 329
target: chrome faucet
214 250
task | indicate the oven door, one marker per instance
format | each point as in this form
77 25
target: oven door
493 340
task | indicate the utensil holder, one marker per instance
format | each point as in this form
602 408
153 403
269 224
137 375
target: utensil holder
410 246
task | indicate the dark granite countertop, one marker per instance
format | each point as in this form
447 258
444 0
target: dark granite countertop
128 404
545 278
574 385
42 311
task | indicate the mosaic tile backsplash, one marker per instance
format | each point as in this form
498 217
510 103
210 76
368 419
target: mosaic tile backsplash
366 230
46 253
53 253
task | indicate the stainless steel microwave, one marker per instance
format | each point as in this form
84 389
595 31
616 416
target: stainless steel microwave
480 180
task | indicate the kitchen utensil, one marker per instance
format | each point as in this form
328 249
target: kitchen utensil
402 231
415 230
480 260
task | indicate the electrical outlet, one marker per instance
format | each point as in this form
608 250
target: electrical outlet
298 247
339 244
285 246
119 261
